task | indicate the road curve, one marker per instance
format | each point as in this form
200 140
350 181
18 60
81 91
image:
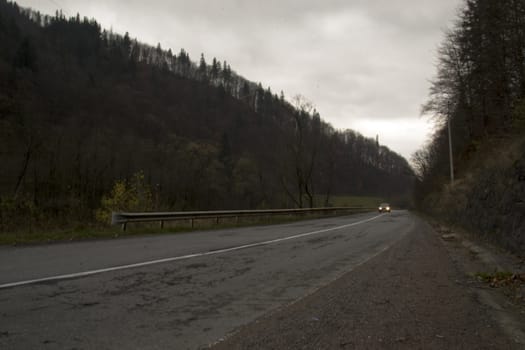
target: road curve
182 291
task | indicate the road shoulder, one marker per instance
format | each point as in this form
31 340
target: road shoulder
417 294
496 276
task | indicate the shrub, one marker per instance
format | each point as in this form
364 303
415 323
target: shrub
126 195
17 213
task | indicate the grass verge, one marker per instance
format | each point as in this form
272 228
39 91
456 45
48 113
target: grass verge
88 232
355 201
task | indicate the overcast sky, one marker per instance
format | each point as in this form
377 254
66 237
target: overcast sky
365 64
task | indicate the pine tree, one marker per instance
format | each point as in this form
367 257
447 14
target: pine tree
203 69
215 69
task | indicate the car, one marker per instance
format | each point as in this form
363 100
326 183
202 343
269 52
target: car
385 207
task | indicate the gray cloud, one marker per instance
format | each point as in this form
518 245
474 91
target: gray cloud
364 63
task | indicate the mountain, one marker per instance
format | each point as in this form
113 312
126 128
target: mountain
83 109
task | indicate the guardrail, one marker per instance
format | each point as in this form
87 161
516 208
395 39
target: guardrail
125 218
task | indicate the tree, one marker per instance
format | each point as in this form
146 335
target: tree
215 70
303 150
26 56
226 76
203 69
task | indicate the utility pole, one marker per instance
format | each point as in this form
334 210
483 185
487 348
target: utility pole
451 159
377 149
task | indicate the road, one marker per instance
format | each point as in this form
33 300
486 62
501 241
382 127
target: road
183 291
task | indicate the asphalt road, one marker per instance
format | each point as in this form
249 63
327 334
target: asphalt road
183 291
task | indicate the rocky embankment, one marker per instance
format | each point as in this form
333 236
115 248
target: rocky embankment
489 199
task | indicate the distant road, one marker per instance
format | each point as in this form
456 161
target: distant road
182 291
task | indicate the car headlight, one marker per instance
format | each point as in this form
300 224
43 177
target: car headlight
380 208
387 208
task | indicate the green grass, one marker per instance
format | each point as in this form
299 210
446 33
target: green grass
355 201
80 232
87 232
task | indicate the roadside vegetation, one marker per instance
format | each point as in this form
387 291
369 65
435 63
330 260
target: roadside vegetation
96 230
512 284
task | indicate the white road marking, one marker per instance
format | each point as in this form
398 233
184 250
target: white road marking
183 257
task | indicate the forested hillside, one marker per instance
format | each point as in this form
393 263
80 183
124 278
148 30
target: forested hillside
84 111
480 89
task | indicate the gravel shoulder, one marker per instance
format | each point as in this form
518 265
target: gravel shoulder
418 294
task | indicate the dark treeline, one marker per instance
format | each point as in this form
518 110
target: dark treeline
479 87
81 108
